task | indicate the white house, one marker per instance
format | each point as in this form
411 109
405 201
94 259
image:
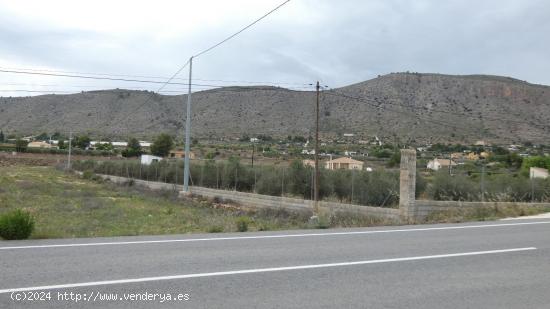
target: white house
119 144
39 145
437 164
115 144
344 163
148 159
537 172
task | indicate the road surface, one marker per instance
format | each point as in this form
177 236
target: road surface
504 264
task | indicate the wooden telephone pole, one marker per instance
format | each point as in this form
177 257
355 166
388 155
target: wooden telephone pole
316 192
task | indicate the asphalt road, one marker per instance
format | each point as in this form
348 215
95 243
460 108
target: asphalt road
503 264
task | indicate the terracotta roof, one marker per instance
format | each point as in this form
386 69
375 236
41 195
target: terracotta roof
38 144
444 162
345 160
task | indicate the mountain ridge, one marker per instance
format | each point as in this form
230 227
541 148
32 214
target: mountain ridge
409 107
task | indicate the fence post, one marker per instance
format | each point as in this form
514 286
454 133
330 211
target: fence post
407 186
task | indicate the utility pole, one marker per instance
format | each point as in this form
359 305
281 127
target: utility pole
483 171
316 192
187 131
532 178
450 164
253 148
352 183
70 145
483 180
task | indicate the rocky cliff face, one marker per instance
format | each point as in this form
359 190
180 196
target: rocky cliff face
401 106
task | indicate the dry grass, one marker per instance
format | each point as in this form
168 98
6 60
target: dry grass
65 206
456 215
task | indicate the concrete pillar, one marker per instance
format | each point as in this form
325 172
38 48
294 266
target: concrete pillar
407 185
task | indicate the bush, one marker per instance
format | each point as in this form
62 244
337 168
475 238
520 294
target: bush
17 224
21 145
88 174
242 223
319 222
215 229
453 188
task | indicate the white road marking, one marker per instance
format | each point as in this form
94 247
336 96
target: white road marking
258 270
273 236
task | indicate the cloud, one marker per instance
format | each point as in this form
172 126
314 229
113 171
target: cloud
338 42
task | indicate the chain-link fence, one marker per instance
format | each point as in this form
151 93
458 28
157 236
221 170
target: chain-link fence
377 188
484 181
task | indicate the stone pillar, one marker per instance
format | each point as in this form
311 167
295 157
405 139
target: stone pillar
407 185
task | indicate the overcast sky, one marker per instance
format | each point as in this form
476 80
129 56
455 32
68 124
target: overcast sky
337 42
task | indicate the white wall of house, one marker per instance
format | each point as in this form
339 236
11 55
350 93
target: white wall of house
537 172
434 165
148 159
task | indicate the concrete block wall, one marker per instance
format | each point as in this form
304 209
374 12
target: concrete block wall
265 201
274 202
410 210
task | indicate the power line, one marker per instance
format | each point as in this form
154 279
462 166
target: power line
163 84
188 116
57 85
245 88
152 94
153 77
161 92
108 78
34 91
240 31
78 72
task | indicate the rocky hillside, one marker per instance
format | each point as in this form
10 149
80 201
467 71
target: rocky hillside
400 106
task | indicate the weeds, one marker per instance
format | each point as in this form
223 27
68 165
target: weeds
242 223
16 224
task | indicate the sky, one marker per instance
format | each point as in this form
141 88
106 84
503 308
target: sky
336 42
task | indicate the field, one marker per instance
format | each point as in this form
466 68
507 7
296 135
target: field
66 206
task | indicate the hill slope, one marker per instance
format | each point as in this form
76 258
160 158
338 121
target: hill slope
404 106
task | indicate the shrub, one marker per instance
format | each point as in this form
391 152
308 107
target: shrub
88 174
453 188
21 145
242 223
215 229
320 222
17 224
